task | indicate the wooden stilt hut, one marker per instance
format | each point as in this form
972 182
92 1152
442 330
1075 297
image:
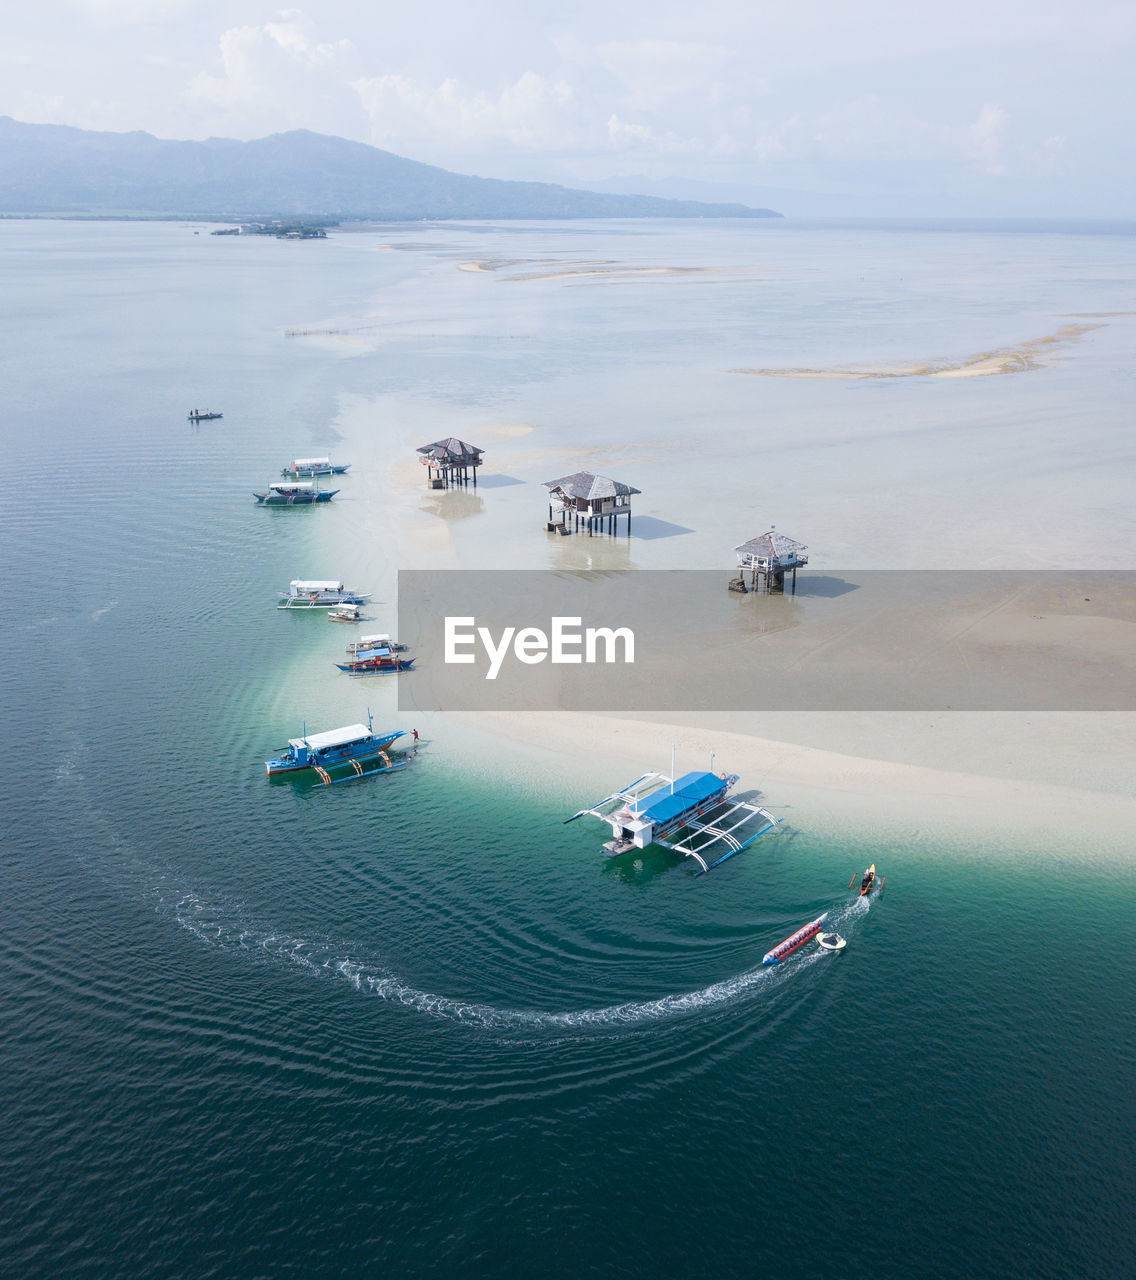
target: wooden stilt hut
586 501
768 558
450 461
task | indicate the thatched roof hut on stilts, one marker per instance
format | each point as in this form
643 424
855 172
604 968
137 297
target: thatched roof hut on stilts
584 500
450 461
768 558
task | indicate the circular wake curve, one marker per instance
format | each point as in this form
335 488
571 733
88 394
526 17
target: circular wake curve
219 925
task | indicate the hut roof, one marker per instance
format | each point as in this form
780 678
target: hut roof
771 545
582 484
451 447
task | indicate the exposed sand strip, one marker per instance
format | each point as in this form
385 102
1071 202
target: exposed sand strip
836 793
1033 354
606 271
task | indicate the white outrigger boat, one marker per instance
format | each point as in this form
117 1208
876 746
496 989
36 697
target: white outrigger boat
690 815
346 613
366 644
319 593
311 467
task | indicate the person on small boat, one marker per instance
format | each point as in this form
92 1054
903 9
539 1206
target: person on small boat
869 878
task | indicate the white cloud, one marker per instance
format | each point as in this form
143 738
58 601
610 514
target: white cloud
651 72
256 59
983 139
531 114
809 93
622 133
278 75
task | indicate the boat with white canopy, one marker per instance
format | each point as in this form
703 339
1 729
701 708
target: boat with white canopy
356 746
314 467
319 593
295 493
380 641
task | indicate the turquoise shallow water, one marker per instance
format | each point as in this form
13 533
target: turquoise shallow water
417 1024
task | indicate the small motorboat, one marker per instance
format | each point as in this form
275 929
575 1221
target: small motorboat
831 942
346 613
869 881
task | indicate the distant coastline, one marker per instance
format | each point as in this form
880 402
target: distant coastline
56 170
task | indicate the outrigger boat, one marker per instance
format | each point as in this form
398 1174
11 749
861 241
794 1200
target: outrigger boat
690 815
869 881
203 415
346 613
367 643
297 493
314 467
795 940
355 745
319 593
375 662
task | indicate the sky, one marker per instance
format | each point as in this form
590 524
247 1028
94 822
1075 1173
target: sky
995 108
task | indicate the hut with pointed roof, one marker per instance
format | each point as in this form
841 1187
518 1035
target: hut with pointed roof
768 558
450 461
588 501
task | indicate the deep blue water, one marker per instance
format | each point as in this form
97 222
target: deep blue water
416 1025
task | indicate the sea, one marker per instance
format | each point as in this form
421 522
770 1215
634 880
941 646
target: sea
416 1025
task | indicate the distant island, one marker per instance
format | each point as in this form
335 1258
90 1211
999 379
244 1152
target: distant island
277 227
50 169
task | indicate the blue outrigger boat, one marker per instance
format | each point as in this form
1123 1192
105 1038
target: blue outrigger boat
297 493
355 745
375 662
690 815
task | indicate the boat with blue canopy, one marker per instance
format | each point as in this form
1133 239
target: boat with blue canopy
691 814
375 662
355 746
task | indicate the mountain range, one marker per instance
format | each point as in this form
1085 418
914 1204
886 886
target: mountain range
56 169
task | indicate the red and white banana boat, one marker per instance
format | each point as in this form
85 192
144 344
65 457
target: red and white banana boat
795 940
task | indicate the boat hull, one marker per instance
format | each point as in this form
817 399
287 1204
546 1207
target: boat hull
295 500
306 602
328 759
390 667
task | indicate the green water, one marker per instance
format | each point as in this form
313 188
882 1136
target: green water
417 1025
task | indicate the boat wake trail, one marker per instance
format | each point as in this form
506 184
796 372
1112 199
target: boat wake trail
221 924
